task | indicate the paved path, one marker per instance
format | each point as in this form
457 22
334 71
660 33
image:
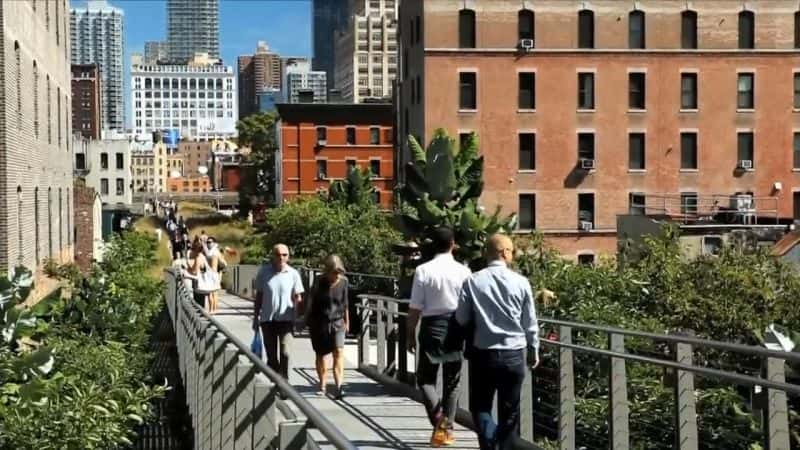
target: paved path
369 415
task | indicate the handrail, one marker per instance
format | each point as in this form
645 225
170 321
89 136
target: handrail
325 426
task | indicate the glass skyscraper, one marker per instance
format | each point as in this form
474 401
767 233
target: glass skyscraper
192 26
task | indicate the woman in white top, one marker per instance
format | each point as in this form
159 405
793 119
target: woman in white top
216 263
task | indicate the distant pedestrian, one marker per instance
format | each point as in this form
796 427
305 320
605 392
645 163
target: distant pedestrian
434 296
498 305
200 272
278 292
328 320
217 264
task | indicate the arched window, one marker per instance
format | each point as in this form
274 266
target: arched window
636 29
60 224
747 29
525 24
35 100
69 219
49 112
20 250
797 29
18 76
36 222
50 221
585 28
466 28
689 29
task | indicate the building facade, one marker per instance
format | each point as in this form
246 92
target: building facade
257 73
196 158
192 27
155 52
86 100
149 169
585 108
88 222
187 185
35 144
320 143
301 84
97 38
366 51
198 100
109 170
329 16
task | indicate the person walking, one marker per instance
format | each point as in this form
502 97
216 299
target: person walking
497 305
328 320
278 292
199 271
217 264
434 297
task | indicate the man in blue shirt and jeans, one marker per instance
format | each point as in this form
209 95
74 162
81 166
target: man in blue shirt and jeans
497 304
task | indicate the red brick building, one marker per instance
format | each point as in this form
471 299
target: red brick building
189 184
320 142
88 238
585 107
86 100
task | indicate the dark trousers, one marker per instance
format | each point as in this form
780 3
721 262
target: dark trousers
427 373
277 342
501 371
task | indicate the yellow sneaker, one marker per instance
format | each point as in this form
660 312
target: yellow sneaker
439 436
450 438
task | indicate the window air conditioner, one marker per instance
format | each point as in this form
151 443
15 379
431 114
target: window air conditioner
585 225
587 164
526 44
745 164
322 142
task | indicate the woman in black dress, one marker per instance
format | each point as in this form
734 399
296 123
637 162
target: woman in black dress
328 321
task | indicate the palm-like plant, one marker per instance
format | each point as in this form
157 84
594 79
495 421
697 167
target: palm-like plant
356 189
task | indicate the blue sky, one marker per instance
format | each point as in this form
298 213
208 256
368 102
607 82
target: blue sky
284 24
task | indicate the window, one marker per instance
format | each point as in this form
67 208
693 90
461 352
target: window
120 161
746 92
525 24
60 216
797 29
796 206
80 161
322 169
796 151
586 211
527 151
527 211
688 91
376 196
797 91
527 90
104 186
419 90
20 239
375 167
104 161
636 29
636 151
35 100
689 203
322 134
418 29
120 186
466 28
18 68
463 139
636 204
585 29
36 221
689 151
351 165
689 29
374 135
586 259
747 29
745 149
351 135
467 90
636 90
586 145
586 91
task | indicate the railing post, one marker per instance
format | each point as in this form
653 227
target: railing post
776 415
265 428
685 408
363 336
216 392
381 335
526 408
227 426
243 434
391 336
208 381
618 395
566 375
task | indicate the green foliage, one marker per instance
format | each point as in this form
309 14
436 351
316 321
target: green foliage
442 189
99 387
258 131
356 189
312 228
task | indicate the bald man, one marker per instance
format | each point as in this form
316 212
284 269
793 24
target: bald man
498 305
279 290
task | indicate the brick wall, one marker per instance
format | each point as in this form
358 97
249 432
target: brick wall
84 225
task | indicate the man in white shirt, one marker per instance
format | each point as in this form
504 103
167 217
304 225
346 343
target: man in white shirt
434 297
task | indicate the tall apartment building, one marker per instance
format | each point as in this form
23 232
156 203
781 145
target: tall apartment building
35 146
259 72
366 51
197 99
329 16
192 27
86 95
155 52
97 38
586 109
301 84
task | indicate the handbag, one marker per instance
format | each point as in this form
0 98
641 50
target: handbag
206 282
257 345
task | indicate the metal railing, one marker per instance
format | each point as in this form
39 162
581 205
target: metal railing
232 395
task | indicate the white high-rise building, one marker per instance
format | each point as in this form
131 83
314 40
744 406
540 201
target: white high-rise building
198 99
192 27
366 51
298 78
155 52
97 37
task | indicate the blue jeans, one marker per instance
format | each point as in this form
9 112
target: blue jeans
501 372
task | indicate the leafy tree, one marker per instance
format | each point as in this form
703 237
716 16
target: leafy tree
356 189
442 189
258 131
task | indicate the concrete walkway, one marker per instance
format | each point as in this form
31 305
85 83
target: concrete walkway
370 416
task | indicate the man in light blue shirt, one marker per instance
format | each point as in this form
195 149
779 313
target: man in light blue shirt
279 290
497 304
